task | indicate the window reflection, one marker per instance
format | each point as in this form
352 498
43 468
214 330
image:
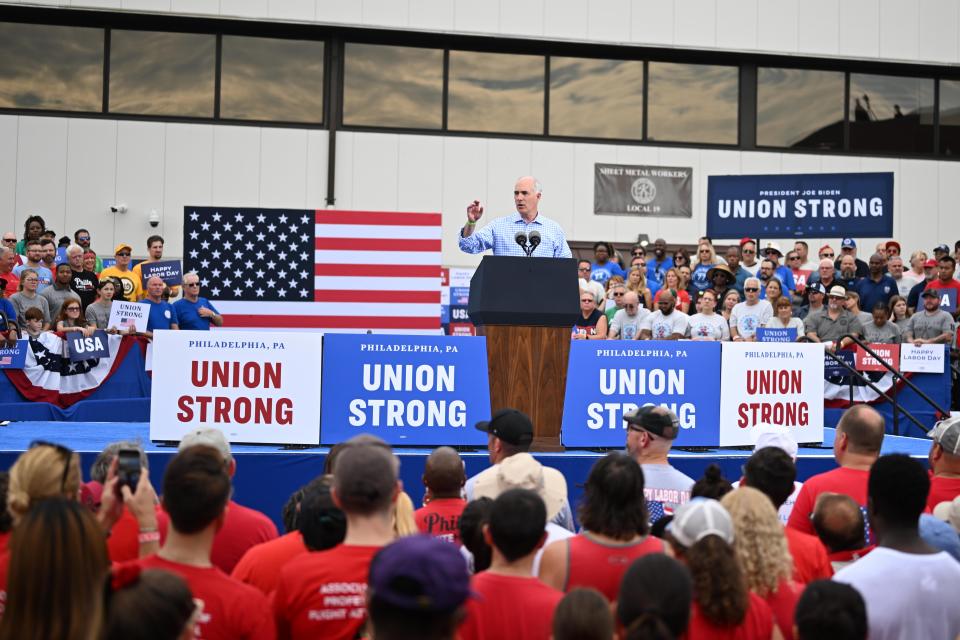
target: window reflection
389 86
692 103
950 117
596 98
890 113
162 73
271 79
50 67
799 108
495 92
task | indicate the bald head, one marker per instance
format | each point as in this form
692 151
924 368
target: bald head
863 427
631 298
839 523
444 474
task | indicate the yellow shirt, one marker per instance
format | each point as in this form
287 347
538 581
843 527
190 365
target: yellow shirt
132 287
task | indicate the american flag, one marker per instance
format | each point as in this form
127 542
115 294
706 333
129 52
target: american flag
340 271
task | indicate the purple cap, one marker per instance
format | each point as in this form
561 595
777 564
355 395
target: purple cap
419 573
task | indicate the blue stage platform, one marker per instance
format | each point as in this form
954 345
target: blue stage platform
267 475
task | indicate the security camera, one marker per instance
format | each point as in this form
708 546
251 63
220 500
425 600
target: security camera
118 208
154 218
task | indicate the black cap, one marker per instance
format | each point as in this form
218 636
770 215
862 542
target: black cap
509 425
930 293
657 420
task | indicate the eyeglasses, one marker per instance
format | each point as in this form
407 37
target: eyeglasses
125 254
638 253
69 309
751 289
65 452
587 300
191 284
83 238
583 268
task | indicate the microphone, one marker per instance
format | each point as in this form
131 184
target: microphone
534 241
521 239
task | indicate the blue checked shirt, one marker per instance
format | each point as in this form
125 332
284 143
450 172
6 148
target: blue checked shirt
500 233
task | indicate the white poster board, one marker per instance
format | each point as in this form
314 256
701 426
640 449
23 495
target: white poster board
770 384
123 314
257 387
923 358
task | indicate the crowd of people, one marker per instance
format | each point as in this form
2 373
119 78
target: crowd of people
868 549
663 295
68 289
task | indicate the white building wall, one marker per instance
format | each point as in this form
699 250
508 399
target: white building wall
70 170
906 30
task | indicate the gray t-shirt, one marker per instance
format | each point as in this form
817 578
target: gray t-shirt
747 317
98 314
21 303
662 327
663 483
628 327
924 326
56 297
830 330
887 334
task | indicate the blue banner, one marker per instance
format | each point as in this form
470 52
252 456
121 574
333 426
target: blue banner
948 299
81 348
833 369
805 205
606 379
408 390
169 271
14 357
765 334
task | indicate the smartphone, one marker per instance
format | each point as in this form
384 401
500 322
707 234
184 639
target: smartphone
128 468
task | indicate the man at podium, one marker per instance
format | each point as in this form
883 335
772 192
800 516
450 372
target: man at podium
525 232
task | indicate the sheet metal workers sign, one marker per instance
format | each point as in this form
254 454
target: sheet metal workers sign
632 190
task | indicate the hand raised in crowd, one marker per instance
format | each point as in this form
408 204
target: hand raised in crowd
474 211
141 503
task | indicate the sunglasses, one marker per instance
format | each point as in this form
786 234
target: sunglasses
638 253
793 258
583 269
826 255
587 300
748 251
751 289
617 294
191 284
14 240
65 452
125 254
83 238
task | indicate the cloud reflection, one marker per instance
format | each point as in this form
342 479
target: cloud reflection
888 93
495 92
794 103
693 103
596 98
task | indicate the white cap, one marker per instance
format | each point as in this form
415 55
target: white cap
209 437
699 518
772 437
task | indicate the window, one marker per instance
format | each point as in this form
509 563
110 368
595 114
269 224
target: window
385 86
891 113
692 103
495 92
596 98
800 108
50 67
168 74
271 79
950 117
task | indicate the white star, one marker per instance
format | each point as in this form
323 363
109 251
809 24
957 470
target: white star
282 237
203 282
228 282
227 264
282 218
238 236
249 265
205 244
205 226
271 227
248 283
194 253
194 216
215 273
237 292
216 254
259 273
282 255
282 275
249 246
304 256
282 293
228 227
293 227
305 219
303 293
271 264
216 235
259 293
261 218
238 217
260 237
194 235
260 255
249 227
216 217
215 292
271 246
228 245
304 237
204 264
271 283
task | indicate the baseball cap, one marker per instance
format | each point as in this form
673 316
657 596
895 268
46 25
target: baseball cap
848 243
823 248
510 426
419 573
892 243
930 263
121 247
778 439
699 518
772 246
930 293
949 512
209 437
817 287
837 291
522 471
661 423
946 433
941 247
744 241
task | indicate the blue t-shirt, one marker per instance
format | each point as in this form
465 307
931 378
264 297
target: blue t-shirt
657 272
873 292
44 275
189 315
162 315
6 309
699 276
602 273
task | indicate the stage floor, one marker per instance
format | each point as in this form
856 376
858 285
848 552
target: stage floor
268 474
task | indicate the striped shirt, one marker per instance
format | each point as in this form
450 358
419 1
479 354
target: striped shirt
500 233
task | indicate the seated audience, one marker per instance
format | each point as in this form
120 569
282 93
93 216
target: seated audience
29 298
628 321
71 319
753 312
880 329
783 318
592 323
931 325
707 325
34 323
667 322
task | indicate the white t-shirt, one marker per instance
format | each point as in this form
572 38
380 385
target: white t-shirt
708 327
746 318
628 327
754 269
792 323
662 327
908 595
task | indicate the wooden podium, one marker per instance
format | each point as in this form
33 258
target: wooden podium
526 308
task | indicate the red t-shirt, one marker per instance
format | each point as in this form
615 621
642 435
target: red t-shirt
810 559
231 609
936 283
122 545
323 594
261 565
243 528
756 625
851 482
441 518
782 603
600 565
509 607
942 490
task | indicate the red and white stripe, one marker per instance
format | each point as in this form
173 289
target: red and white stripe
373 271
